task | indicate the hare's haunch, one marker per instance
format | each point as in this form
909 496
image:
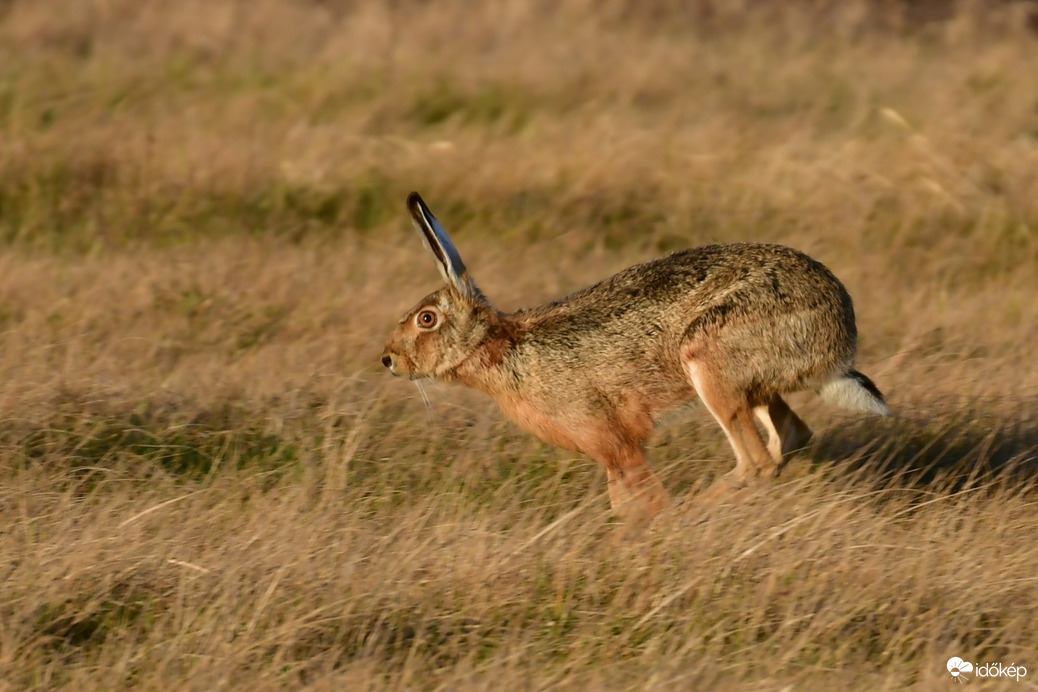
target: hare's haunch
737 325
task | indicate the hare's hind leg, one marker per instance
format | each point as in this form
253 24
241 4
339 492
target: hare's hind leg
786 432
734 412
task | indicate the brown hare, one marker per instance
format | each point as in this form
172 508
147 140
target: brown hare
737 325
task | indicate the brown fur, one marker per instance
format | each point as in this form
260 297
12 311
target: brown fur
738 325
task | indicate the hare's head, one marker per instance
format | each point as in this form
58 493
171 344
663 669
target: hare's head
445 327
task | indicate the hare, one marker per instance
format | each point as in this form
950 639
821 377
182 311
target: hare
737 325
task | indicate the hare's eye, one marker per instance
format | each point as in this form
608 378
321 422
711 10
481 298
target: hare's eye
426 319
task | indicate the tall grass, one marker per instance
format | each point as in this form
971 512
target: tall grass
209 482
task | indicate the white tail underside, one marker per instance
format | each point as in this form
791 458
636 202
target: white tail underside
849 393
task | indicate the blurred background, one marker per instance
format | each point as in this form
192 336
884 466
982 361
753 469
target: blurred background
208 481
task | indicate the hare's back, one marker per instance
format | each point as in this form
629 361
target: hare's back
760 307
753 278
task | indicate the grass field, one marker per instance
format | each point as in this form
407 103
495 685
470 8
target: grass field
208 481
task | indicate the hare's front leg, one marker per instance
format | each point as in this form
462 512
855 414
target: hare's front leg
635 493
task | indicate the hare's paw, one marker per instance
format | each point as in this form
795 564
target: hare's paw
637 501
726 487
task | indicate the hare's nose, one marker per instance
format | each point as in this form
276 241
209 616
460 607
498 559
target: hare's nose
387 360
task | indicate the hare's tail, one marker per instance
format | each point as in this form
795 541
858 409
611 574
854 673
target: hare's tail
855 391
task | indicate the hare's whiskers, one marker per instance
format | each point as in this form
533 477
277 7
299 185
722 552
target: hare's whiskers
425 397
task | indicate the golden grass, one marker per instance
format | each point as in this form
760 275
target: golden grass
209 482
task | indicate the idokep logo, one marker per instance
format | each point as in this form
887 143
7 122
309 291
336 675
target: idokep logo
960 670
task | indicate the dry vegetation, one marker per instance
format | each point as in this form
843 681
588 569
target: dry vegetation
209 482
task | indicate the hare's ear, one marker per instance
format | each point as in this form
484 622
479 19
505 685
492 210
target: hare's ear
439 243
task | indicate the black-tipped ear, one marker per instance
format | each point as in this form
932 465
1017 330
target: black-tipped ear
448 259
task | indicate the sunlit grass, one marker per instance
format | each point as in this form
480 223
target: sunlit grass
210 482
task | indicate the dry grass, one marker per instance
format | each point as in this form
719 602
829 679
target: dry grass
209 483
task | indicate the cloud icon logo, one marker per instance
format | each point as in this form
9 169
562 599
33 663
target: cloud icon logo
958 668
